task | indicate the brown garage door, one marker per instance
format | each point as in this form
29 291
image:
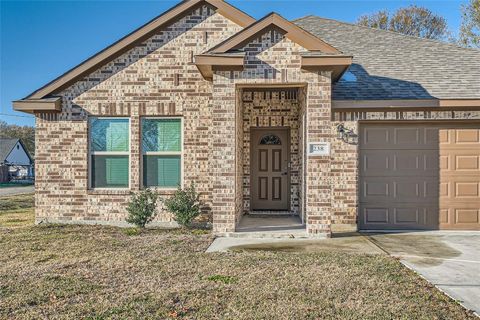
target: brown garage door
419 176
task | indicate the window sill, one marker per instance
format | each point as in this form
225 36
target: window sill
163 191
160 191
109 191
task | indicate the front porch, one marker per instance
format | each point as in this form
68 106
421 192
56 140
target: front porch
270 137
271 113
269 226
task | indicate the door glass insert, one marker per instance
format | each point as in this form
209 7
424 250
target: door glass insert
271 139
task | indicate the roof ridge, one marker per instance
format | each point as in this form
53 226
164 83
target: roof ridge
391 32
304 17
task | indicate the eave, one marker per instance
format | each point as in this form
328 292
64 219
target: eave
337 64
38 105
406 104
208 63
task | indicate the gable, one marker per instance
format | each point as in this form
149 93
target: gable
234 53
155 73
18 155
275 22
123 45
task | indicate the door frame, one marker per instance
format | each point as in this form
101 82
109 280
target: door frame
289 157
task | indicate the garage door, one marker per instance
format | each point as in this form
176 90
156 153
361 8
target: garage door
419 176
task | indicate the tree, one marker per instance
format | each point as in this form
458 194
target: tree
413 21
13 131
470 28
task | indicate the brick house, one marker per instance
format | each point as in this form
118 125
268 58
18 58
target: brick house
345 126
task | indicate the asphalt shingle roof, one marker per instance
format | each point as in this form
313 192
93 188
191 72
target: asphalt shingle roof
390 65
6 145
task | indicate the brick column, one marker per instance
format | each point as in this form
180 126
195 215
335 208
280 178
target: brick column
318 177
223 155
135 143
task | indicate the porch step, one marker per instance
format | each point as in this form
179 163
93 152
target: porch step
284 234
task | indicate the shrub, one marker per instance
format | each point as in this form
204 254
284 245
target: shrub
184 204
142 208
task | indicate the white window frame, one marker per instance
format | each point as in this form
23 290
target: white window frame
162 153
111 153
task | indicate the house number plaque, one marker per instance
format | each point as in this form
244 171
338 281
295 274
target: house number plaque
319 148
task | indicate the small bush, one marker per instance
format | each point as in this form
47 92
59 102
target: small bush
184 204
142 208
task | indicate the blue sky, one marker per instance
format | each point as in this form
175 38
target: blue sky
39 40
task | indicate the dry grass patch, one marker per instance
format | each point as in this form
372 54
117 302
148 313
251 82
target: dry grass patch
107 273
17 211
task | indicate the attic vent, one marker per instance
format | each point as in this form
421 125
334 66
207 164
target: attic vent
348 77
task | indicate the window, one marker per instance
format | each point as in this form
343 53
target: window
270 139
109 152
162 152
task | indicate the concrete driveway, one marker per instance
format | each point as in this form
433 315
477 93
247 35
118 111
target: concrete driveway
10 191
448 259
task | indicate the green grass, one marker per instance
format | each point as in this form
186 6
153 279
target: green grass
222 278
11 184
98 272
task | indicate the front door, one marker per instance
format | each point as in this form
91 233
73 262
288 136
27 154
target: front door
269 169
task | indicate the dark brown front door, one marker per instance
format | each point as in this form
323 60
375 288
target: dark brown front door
269 169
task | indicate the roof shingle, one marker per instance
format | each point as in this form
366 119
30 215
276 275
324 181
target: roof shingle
6 146
389 65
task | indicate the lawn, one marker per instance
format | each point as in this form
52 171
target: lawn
13 185
17 211
95 272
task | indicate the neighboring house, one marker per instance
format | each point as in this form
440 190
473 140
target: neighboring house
15 156
348 127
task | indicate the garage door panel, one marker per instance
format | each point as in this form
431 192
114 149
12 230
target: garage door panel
466 190
379 188
375 162
375 137
414 161
406 136
444 216
468 136
385 163
420 176
432 136
408 215
399 189
376 216
468 162
397 217
466 216
460 218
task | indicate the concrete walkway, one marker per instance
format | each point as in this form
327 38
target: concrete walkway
448 259
11 191
354 244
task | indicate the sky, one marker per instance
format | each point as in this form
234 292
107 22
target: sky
40 40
